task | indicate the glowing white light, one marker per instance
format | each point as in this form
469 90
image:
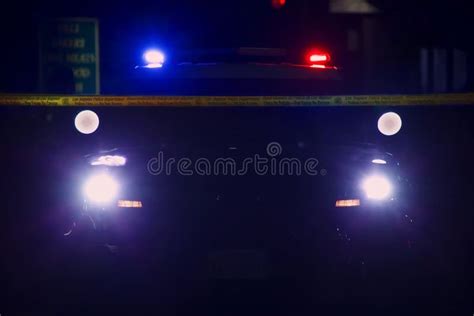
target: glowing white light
377 187
109 160
101 188
154 57
379 162
152 66
86 122
389 123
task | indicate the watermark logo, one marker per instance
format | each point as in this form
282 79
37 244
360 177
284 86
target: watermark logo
274 163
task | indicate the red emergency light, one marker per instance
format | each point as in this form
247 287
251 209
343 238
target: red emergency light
318 57
278 4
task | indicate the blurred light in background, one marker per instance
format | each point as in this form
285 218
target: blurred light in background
379 162
278 4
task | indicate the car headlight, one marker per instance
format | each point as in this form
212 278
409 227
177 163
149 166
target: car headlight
101 188
377 187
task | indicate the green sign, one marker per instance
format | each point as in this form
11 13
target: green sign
69 56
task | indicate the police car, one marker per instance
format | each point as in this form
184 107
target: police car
294 193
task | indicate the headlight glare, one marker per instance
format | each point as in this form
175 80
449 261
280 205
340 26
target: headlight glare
101 188
377 187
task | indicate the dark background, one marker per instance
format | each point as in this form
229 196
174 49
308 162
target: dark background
44 273
384 55
39 145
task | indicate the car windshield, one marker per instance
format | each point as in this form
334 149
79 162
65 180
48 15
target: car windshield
244 157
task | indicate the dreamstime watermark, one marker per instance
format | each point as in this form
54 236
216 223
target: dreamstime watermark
270 164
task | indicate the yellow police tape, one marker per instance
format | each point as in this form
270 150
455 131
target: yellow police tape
420 99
